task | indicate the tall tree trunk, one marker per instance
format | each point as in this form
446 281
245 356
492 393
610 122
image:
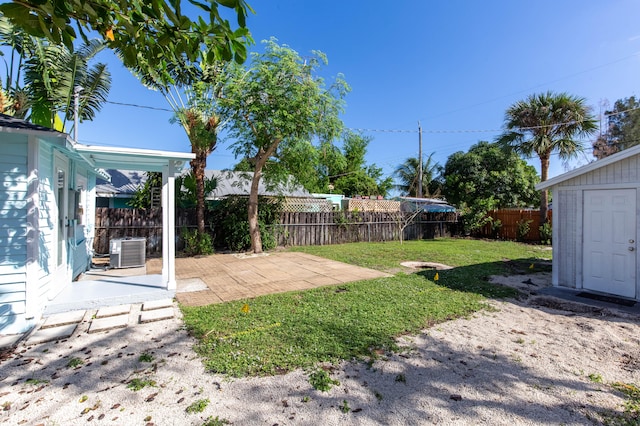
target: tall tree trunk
252 210
198 165
254 228
544 195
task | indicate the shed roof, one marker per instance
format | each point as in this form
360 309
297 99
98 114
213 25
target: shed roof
618 156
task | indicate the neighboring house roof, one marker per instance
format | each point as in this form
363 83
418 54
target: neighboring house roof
125 183
429 205
635 150
239 183
8 122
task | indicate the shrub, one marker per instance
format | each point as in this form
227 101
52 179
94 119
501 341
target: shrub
523 228
546 233
196 243
232 226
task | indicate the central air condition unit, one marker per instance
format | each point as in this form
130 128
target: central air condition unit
127 252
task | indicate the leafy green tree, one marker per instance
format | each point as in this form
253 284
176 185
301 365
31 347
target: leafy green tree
356 177
155 32
544 124
623 128
278 102
485 178
407 174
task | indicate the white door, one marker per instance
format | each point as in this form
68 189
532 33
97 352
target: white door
609 258
60 185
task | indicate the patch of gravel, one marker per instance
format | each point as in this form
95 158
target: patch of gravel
512 364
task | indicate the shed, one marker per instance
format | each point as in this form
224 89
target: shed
595 226
47 214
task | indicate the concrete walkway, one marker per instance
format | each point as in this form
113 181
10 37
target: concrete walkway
225 277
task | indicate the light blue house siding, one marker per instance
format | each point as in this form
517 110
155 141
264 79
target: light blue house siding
13 229
42 247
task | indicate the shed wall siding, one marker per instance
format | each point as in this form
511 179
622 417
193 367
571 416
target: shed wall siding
13 232
621 172
568 236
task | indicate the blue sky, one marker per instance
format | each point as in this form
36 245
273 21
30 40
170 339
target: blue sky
454 65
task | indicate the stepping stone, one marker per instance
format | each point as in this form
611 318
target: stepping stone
52 333
156 315
109 323
157 304
9 341
111 311
65 318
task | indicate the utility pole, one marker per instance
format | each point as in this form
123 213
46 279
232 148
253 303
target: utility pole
419 194
76 107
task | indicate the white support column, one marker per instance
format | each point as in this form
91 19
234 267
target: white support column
168 226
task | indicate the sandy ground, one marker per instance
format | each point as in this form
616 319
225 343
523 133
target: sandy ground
522 362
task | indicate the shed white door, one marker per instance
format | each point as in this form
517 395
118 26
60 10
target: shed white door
609 261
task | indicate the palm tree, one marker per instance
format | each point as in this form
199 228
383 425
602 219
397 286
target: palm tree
51 74
544 124
41 78
193 94
407 174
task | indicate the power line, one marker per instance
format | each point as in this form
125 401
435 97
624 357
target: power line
139 106
405 130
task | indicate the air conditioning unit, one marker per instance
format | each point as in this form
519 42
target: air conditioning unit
127 252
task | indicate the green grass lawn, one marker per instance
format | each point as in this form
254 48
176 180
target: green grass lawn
282 332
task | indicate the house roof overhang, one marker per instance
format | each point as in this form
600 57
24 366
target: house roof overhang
589 167
101 157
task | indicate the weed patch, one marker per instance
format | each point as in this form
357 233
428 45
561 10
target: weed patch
75 363
321 380
137 384
197 406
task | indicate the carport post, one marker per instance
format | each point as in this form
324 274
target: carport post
168 225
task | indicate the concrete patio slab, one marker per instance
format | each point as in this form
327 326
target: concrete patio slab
110 311
9 341
231 277
157 304
108 323
53 333
73 317
156 315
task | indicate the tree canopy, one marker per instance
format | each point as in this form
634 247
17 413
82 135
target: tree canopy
488 177
155 33
275 104
544 124
622 128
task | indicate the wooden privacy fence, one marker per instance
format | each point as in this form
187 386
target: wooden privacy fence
510 220
300 229
120 223
294 229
